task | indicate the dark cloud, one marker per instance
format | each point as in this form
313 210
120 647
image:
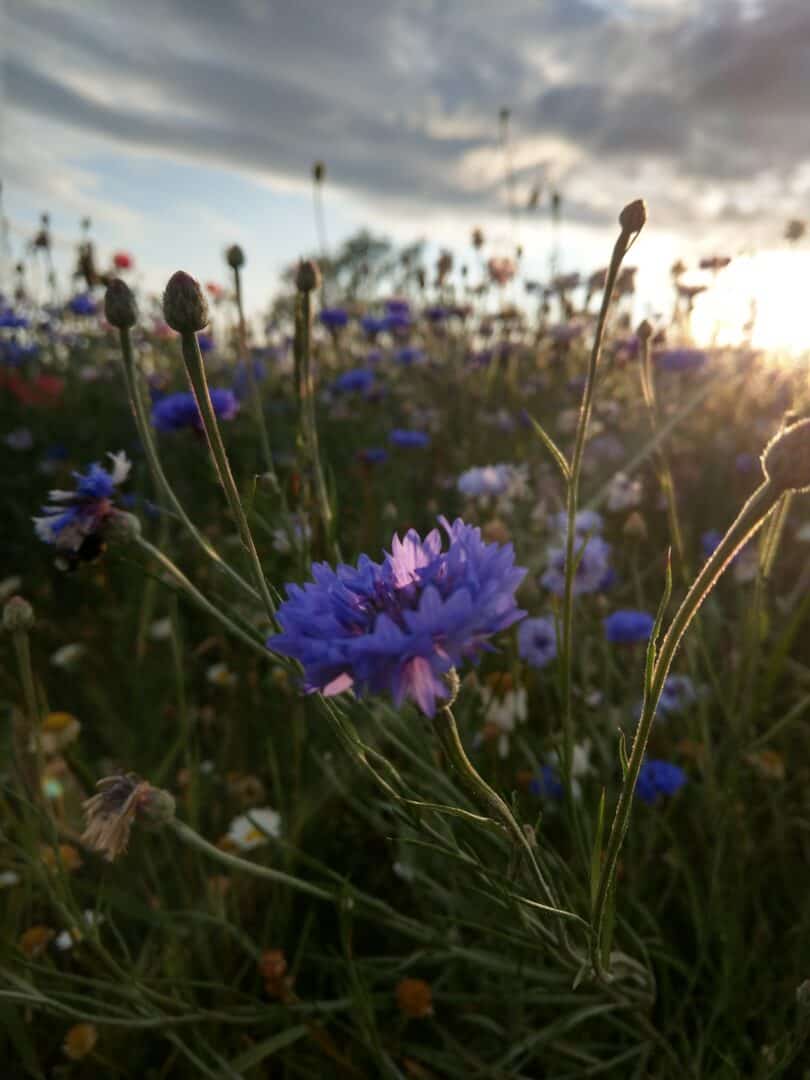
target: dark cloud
401 97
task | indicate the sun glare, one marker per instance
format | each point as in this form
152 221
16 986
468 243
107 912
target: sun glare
762 298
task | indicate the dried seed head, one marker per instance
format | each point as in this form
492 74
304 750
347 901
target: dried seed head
111 814
786 458
17 615
184 305
633 217
235 257
119 305
308 276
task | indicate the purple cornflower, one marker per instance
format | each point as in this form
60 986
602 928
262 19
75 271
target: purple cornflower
680 359
409 354
628 627
176 411
657 778
397 306
72 518
358 379
537 641
334 318
372 325
436 313
400 626
407 437
593 571
678 693
586 521
485 480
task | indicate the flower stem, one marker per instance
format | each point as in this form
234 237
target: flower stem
748 521
253 385
195 369
31 749
566 652
160 480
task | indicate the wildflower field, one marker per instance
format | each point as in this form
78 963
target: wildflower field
415 686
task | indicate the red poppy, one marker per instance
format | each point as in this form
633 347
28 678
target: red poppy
122 260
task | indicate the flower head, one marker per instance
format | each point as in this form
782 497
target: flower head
409 438
401 625
627 627
592 573
74 519
111 814
176 411
657 778
537 641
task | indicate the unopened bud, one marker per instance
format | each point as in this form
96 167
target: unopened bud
235 257
308 276
318 172
633 217
119 305
17 615
786 458
156 808
644 331
184 305
122 527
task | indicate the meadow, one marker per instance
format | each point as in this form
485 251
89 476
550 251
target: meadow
524 797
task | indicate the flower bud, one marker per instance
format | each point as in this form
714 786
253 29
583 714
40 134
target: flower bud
308 276
119 305
184 305
17 615
633 217
786 458
235 257
645 330
156 808
122 527
318 172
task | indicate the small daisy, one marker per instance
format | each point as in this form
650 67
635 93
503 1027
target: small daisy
254 828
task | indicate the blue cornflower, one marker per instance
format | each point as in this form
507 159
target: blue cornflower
627 627
537 641
400 626
547 784
680 359
83 304
372 325
397 320
586 521
358 379
176 411
677 694
246 373
10 320
206 343
593 571
72 517
658 778
486 480
409 354
407 437
334 318
373 455
397 306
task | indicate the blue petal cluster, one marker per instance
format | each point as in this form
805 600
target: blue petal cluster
657 778
628 626
176 411
399 626
73 516
409 438
537 641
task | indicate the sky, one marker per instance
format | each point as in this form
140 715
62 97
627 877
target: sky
182 126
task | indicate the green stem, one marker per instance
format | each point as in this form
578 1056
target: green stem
307 423
199 599
566 652
253 385
33 759
195 369
748 521
161 482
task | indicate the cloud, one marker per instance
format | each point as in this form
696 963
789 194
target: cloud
703 103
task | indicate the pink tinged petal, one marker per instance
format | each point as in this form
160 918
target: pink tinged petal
339 685
422 685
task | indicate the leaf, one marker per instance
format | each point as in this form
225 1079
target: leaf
596 852
552 448
265 1049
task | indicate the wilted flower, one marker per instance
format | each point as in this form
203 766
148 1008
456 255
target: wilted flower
537 641
658 778
176 411
75 520
400 626
111 813
627 627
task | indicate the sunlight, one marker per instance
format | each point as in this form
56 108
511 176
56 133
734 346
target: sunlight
768 288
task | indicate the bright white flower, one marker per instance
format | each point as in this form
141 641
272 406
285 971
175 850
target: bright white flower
221 675
68 938
68 655
580 763
505 713
254 828
161 629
